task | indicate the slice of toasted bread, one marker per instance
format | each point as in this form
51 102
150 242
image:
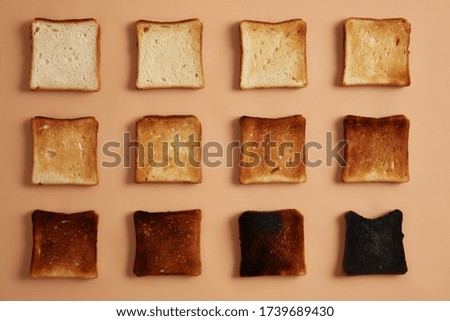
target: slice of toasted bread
376 52
167 243
169 149
272 150
272 243
374 246
169 54
64 245
273 54
64 151
65 55
376 149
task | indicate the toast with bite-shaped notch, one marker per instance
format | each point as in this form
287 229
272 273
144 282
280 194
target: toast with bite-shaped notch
374 246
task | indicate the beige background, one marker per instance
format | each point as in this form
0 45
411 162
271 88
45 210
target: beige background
323 199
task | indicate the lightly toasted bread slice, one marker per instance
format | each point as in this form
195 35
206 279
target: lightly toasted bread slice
64 245
273 54
65 55
167 243
376 149
169 149
64 151
272 243
169 54
272 150
376 52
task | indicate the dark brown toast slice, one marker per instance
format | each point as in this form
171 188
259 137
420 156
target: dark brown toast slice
64 245
167 243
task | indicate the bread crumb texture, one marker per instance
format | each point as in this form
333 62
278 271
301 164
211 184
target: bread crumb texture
169 54
169 149
167 243
64 151
272 243
64 245
376 52
65 55
376 149
273 54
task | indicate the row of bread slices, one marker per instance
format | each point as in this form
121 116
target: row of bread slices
66 54
168 243
168 149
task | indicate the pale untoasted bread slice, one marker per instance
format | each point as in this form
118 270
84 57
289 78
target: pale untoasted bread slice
272 150
272 243
167 243
376 149
64 151
65 55
273 54
376 52
169 54
64 245
374 246
169 149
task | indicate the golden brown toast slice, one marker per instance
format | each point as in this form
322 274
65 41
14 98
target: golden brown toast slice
64 151
272 150
169 149
376 149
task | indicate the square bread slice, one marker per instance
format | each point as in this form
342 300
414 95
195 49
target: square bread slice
272 150
169 54
64 245
64 151
273 54
65 55
374 246
376 149
168 149
376 52
167 243
272 243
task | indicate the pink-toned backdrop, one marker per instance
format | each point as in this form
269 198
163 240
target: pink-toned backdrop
323 199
